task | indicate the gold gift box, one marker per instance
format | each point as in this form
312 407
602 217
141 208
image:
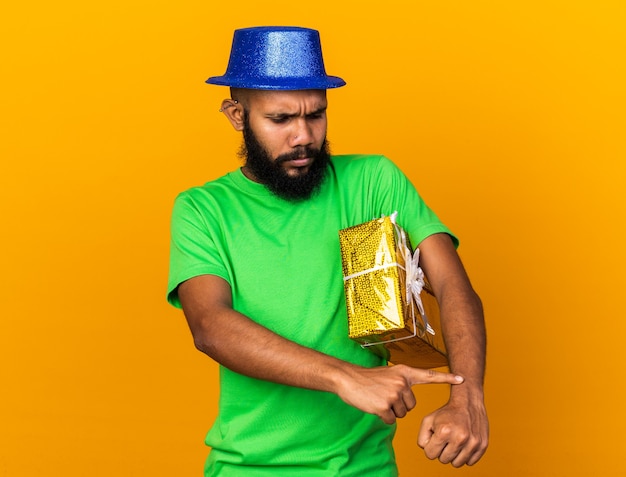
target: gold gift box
399 324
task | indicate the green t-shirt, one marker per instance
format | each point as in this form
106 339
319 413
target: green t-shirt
283 264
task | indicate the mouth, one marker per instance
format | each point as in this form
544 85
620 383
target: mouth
299 162
298 166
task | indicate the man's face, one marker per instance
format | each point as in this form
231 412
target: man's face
285 141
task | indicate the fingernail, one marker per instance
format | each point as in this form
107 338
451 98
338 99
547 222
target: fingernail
459 379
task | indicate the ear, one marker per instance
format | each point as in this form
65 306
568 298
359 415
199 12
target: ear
233 110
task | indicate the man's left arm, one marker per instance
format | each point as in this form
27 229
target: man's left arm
458 432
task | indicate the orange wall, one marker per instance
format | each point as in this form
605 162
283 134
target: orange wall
509 117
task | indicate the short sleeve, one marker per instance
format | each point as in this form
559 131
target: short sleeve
397 193
195 247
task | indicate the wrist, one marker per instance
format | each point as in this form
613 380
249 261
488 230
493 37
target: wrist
338 375
467 392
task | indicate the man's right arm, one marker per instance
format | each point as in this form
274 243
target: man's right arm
243 346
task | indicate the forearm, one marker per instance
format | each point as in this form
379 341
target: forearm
461 311
464 334
240 344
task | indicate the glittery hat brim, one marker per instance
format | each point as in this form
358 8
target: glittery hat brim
282 84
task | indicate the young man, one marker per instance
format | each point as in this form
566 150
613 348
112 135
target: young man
255 265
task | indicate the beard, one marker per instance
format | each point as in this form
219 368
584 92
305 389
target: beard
270 172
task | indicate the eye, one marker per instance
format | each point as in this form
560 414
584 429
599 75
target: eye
279 119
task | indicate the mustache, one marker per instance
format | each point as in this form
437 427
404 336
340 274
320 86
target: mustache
299 153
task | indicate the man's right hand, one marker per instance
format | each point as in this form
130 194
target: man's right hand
386 391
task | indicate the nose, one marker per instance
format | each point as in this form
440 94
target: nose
301 135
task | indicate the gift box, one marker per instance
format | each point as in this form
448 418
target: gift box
391 308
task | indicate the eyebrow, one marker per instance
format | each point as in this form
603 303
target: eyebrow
319 110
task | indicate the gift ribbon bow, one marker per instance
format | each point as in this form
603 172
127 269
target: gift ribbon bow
414 275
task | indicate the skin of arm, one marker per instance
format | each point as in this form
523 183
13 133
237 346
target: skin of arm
457 433
240 344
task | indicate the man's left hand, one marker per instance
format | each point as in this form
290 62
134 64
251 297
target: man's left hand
456 433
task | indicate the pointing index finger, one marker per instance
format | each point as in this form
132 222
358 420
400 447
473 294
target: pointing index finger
430 376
